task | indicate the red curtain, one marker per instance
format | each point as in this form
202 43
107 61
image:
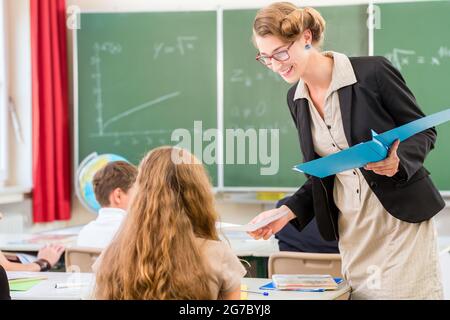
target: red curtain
51 145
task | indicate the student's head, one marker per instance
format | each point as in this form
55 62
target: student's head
113 184
156 254
290 34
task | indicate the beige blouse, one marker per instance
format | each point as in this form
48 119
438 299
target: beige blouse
382 256
226 269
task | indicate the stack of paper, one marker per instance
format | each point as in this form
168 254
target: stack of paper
304 281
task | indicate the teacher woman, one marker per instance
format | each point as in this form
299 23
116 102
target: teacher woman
381 214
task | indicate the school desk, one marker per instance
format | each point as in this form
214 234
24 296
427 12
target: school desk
45 290
255 252
79 286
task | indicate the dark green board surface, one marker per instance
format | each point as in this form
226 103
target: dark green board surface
416 38
140 76
255 97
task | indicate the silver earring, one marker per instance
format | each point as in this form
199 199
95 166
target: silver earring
307 47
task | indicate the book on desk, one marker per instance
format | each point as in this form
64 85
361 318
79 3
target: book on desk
302 282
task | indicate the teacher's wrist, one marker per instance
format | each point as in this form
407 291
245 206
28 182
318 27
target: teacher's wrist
291 215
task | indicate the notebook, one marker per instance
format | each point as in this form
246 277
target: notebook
271 286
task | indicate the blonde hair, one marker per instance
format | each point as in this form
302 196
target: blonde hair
156 254
287 22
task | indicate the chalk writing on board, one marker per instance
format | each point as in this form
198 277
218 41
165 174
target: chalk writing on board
182 45
404 57
140 107
240 76
102 124
111 48
444 52
259 110
250 112
283 129
129 133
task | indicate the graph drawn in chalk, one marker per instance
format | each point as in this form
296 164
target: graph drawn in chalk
139 108
102 124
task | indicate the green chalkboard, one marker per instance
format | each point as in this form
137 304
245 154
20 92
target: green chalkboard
415 37
141 76
255 97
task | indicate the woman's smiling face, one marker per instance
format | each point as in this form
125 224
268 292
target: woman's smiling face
291 69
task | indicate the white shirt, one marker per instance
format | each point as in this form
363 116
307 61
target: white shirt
100 232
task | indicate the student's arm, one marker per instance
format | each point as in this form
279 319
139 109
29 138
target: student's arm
13 266
232 295
402 106
50 253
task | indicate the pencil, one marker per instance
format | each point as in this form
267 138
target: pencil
264 293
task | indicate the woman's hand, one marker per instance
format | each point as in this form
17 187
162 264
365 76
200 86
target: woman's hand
389 166
267 231
51 253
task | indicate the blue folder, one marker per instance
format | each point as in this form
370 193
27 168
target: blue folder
271 286
374 150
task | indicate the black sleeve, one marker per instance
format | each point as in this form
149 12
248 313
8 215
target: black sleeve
401 104
301 202
4 285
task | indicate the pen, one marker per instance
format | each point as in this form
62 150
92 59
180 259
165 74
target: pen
70 285
264 293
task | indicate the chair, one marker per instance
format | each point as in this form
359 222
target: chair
81 259
285 262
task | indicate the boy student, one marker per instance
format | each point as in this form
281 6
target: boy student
112 187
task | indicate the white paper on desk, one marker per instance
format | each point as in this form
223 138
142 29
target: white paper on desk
249 227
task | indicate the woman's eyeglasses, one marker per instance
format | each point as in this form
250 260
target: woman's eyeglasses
280 56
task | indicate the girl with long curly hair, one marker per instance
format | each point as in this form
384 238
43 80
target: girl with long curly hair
168 246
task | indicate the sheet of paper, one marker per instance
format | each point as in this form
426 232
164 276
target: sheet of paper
249 227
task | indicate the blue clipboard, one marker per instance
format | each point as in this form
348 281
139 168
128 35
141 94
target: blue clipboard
374 150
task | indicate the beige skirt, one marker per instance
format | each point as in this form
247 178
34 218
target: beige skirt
382 256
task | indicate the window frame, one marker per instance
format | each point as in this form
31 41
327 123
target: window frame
3 96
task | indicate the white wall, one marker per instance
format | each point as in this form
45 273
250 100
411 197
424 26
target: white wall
19 55
18 216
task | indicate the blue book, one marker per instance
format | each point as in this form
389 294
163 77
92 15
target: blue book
271 286
374 150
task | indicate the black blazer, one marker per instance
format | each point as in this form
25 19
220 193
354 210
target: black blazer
379 100
4 285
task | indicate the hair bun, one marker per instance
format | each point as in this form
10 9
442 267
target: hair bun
287 22
297 21
291 24
314 22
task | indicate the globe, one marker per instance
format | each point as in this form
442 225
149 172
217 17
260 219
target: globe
85 174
